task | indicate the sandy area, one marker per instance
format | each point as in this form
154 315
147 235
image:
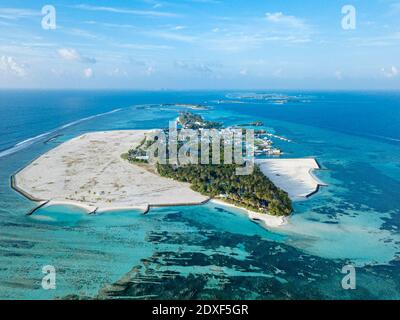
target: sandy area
89 171
266 220
292 175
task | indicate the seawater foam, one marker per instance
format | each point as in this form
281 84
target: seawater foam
26 143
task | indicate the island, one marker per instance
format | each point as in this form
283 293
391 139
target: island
198 107
187 106
272 98
253 191
189 120
109 170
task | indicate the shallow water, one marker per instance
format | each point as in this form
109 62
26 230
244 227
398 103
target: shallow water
211 251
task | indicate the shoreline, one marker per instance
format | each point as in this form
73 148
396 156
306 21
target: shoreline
92 209
294 176
88 172
265 220
316 179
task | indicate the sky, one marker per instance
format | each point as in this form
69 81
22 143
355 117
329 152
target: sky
200 44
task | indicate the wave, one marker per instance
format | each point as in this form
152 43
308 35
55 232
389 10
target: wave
27 142
384 138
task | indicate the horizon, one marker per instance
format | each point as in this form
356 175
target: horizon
250 90
150 45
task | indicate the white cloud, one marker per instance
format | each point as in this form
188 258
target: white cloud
290 21
388 39
281 29
244 72
83 33
139 46
179 27
58 72
9 66
69 54
240 41
196 67
17 13
339 75
171 36
117 72
125 11
207 1
150 70
73 55
278 73
88 73
392 72
146 67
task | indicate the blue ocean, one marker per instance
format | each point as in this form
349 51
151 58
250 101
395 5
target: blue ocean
210 251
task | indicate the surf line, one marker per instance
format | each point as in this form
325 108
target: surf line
26 143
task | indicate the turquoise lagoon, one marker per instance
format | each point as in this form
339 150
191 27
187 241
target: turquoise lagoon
210 251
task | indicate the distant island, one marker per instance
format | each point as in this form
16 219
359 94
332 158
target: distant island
198 107
186 105
190 120
273 98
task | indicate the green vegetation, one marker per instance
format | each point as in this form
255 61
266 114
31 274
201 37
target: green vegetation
125 156
190 120
254 192
139 154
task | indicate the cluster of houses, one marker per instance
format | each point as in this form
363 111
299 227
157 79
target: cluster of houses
264 146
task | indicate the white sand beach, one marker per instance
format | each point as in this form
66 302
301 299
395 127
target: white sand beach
292 175
88 171
266 220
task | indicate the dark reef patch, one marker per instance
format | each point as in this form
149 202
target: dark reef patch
232 266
